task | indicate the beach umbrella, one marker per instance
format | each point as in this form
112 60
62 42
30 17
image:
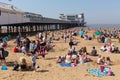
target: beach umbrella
81 32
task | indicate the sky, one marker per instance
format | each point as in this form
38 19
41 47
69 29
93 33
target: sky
95 11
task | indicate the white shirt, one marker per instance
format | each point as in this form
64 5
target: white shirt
98 60
44 40
74 56
103 48
23 49
40 35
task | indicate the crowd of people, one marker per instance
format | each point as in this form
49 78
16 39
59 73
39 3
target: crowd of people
44 42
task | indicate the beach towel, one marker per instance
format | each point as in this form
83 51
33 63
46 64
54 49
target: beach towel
66 64
97 72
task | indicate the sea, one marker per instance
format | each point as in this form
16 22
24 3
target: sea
105 26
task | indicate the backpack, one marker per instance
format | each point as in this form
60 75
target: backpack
5 53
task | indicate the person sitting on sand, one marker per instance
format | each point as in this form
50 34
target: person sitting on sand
23 64
23 49
94 52
68 58
99 60
103 48
83 57
85 37
75 58
61 59
103 60
108 61
80 51
16 49
84 50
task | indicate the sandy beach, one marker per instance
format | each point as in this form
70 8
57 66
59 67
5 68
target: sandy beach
50 70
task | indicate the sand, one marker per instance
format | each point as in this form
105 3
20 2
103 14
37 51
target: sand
50 70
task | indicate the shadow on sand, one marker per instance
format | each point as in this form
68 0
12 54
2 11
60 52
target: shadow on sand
42 71
11 64
50 58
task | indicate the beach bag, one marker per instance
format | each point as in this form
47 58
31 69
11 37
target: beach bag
102 68
5 53
16 67
4 67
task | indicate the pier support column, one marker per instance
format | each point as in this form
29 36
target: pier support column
16 28
13 29
43 26
10 29
0 29
28 28
7 29
31 28
36 28
39 27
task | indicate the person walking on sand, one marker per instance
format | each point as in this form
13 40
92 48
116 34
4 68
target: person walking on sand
43 52
2 57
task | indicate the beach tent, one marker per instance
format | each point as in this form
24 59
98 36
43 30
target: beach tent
97 33
81 32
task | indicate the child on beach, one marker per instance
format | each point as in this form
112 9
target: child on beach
43 52
108 61
23 64
99 59
2 57
34 57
